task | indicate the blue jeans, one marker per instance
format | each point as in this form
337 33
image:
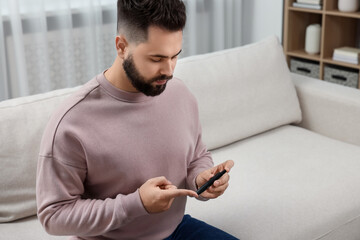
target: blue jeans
191 228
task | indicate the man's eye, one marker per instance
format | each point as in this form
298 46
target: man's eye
156 59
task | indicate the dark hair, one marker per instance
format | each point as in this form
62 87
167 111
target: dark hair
135 17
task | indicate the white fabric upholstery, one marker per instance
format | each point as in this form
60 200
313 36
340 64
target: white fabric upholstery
22 122
26 229
288 183
329 109
241 92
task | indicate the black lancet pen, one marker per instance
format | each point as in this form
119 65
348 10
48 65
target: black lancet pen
210 182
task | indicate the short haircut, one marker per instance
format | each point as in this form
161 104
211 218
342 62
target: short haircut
136 16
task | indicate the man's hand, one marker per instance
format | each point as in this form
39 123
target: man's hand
157 194
220 185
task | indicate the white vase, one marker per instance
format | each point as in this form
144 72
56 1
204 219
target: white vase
348 5
312 39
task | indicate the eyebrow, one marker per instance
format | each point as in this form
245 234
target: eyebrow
163 56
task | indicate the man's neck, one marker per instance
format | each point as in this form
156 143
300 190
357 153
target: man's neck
117 77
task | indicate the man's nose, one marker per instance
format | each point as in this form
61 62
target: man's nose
168 67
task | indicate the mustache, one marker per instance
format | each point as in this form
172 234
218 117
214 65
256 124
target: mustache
161 77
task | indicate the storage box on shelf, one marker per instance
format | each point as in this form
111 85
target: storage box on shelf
339 29
305 67
340 75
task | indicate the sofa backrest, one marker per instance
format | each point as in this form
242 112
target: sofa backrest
22 122
241 92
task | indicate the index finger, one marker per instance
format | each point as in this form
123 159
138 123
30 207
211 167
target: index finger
173 193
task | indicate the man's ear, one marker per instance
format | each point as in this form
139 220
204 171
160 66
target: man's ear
121 46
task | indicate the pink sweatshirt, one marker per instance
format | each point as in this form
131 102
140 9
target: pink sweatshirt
102 145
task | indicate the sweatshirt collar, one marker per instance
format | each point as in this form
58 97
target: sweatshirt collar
121 94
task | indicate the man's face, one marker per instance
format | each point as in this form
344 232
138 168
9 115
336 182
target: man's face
150 65
151 87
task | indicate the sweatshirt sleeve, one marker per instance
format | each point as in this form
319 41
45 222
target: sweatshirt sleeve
60 181
202 159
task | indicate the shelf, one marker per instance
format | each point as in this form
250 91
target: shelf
303 54
343 14
298 9
338 29
344 64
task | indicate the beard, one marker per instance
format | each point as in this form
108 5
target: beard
140 83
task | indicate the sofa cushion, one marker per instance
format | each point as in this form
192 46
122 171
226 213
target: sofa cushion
22 122
288 183
241 92
26 229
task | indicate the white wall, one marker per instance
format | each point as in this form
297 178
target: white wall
260 19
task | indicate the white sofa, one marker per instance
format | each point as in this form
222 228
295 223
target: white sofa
295 142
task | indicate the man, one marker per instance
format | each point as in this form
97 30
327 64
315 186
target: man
120 157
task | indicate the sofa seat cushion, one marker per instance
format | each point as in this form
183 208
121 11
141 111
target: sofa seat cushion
26 229
288 183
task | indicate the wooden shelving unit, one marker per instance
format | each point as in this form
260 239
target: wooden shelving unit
338 29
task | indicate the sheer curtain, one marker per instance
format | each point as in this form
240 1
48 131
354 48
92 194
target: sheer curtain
52 44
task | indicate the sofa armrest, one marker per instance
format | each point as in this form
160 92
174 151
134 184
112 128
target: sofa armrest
329 109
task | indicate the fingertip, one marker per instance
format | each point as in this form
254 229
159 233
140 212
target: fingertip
194 194
229 164
170 186
232 163
181 192
167 181
191 193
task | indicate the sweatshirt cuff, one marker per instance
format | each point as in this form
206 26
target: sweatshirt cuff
133 206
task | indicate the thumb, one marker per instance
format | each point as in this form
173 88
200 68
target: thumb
228 165
159 181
